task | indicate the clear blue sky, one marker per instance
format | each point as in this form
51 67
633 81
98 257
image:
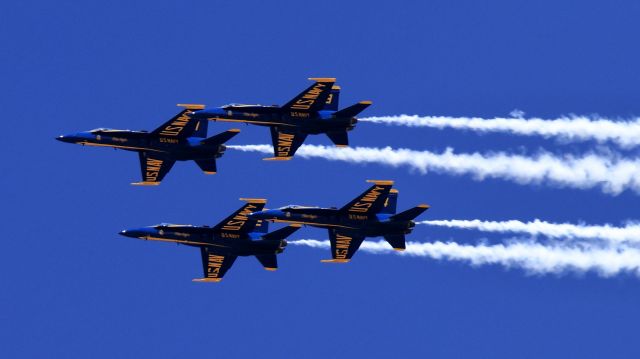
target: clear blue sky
73 288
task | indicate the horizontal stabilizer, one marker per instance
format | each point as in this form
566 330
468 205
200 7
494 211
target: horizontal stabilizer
410 213
268 261
221 137
353 110
281 233
207 166
339 138
396 241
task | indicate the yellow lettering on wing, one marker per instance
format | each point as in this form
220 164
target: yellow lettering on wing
342 246
308 99
214 265
285 141
237 222
153 169
176 126
367 200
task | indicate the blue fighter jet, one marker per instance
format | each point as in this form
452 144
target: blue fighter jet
372 214
313 111
237 235
182 138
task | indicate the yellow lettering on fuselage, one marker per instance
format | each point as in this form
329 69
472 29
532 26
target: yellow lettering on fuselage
342 246
176 126
168 140
153 169
367 200
214 265
357 217
308 99
285 141
229 235
300 114
236 223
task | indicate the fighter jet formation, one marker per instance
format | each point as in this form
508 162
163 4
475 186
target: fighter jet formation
245 232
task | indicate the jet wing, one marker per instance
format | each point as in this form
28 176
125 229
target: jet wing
371 201
182 125
285 143
214 265
153 168
313 98
343 246
238 222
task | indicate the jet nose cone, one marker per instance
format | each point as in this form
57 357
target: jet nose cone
67 139
125 233
135 233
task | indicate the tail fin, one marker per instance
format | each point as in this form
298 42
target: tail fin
410 213
268 261
281 233
353 110
339 138
396 241
261 227
333 99
201 128
391 202
221 137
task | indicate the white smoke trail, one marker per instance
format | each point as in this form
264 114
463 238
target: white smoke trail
624 133
611 174
532 257
629 233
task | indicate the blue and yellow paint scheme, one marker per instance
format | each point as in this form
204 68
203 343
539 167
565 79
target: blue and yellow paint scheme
237 235
182 138
313 111
371 214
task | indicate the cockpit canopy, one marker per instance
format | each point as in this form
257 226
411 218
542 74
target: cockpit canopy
240 105
170 225
101 129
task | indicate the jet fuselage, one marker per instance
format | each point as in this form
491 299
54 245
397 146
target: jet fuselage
181 149
241 244
305 122
368 226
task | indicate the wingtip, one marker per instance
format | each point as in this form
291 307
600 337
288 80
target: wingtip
400 249
342 146
254 200
277 159
270 269
381 182
207 280
335 260
234 130
191 106
422 205
210 172
367 102
323 79
296 225
144 183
